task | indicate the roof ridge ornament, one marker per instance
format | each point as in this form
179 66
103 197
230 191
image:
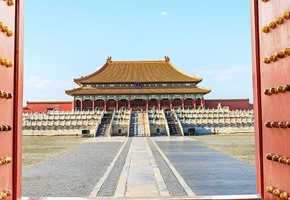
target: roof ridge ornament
109 59
167 59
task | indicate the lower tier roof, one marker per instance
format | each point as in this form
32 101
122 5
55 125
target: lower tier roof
122 91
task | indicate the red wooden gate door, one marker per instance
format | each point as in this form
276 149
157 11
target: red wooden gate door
11 64
271 77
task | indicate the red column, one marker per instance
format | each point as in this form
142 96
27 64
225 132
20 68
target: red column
158 104
182 103
170 105
93 105
202 103
129 104
105 105
194 103
81 105
117 105
147 105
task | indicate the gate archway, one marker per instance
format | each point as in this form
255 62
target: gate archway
138 104
123 103
111 105
165 104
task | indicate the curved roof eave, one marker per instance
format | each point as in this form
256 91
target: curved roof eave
79 80
199 79
69 92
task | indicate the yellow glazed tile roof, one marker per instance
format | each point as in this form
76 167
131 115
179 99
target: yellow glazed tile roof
137 71
123 91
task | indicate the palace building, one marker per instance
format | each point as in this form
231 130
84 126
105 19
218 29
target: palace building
138 85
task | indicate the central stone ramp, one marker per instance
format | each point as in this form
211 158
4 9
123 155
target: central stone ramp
139 124
140 176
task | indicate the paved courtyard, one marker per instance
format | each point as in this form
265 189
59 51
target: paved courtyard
139 167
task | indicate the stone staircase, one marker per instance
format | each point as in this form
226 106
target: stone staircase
174 129
133 126
104 127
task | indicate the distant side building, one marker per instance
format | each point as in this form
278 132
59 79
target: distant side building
45 106
232 104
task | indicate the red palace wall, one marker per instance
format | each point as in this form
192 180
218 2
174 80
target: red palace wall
49 105
233 104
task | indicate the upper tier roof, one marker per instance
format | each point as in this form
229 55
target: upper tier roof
137 71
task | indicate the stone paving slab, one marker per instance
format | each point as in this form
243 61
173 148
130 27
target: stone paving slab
172 183
72 174
107 139
110 184
209 172
173 138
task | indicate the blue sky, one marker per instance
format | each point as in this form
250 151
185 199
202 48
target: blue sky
67 39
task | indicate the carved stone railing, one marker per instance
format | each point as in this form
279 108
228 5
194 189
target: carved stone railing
110 126
178 123
166 124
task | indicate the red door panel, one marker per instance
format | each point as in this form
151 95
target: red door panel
11 56
271 67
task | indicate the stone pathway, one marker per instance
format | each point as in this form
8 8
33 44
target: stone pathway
140 176
136 167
